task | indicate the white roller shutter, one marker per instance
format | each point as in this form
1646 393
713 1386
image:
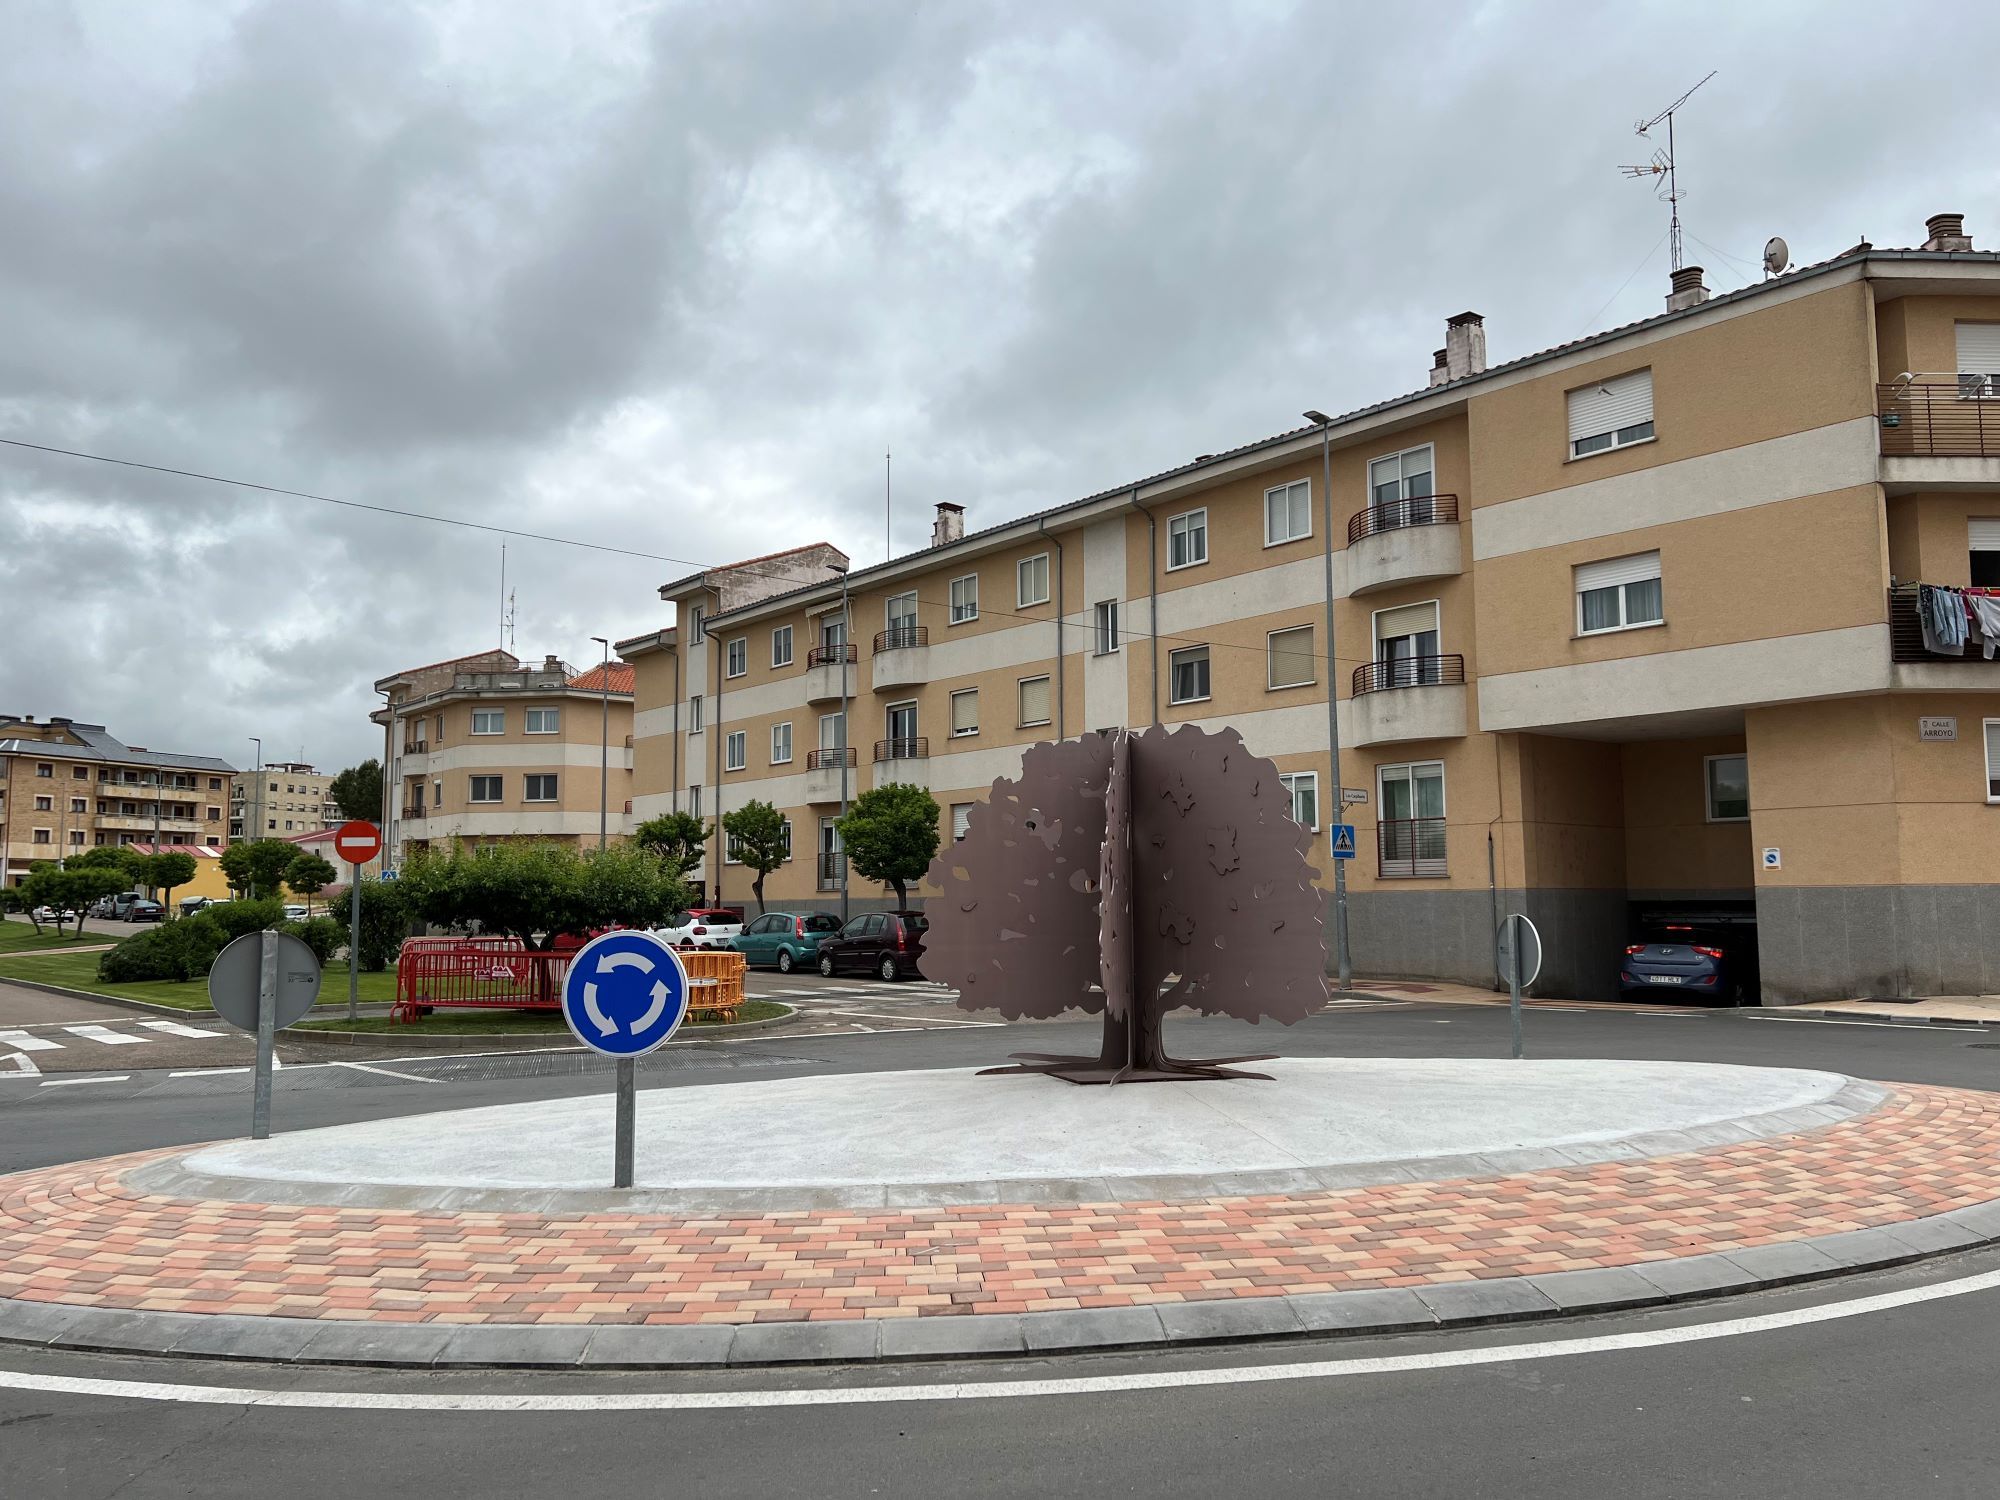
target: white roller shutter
1983 534
1035 700
1410 619
1978 348
961 819
1993 758
1613 571
1606 407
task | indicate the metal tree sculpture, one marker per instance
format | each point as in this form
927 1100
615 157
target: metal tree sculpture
1129 874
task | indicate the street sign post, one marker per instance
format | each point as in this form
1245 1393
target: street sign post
1342 835
263 982
1517 949
625 994
357 842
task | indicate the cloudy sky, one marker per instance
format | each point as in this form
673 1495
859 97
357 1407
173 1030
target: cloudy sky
671 277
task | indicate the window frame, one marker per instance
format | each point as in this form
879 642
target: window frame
1708 762
1402 479
1173 521
952 731
1990 735
783 632
499 714
697 630
528 780
472 797
1271 657
1021 572
1616 437
1289 780
953 604
695 724
736 658
1624 622
1173 674
1021 685
1286 490
736 750
528 720
952 820
1098 632
786 758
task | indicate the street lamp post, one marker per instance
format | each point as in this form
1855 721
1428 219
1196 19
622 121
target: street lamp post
258 824
846 736
604 749
1342 958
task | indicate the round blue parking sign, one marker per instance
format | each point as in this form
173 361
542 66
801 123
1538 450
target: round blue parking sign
625 993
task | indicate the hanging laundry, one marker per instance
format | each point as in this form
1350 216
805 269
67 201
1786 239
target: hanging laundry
1986 611
1941 611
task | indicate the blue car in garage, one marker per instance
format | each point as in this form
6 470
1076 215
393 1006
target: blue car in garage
1694 959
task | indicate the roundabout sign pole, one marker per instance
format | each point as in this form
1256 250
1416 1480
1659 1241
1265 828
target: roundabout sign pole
625 994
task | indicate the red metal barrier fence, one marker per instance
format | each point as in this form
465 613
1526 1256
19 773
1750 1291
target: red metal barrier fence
502 973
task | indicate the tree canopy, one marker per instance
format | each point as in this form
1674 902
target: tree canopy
168 871
891 835
121 857
541 890
72 889
759 840
309 874
679 839
257 867
357 791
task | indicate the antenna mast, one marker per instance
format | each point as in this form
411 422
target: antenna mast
503 596
1662 165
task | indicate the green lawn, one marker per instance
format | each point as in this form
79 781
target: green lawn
497 1022
21 937
78 971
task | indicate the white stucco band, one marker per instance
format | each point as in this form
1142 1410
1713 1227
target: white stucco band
1789 668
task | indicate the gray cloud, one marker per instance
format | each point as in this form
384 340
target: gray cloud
674 278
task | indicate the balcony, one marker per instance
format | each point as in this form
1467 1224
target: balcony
902 760
1403 541
902 657
1955 419
826 772
1408 847
1411 698
413 814
143 823
828 678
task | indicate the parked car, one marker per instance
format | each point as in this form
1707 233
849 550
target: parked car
194 904
1696 959
785 939
101 907
49 916
145 911
121 904
296 913
887 943
704 927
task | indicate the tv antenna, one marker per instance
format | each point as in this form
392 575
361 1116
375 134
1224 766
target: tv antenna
1662 165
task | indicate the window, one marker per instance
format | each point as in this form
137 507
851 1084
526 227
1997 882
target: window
964 712
832 731
82 773
1034 701
1406 646
1620 593
961 819
781 646
833 632
1412 826
1983 539
1978 358
739 657
900 618
1728 779
781 743
1187 540
1288 657
215 815
1107 627
271 824
77 805
901 720
732 853
1303 789
1031 580
43 768
44 836
437 793
694 800
735 750
46 804
544 720
1611 414
965 598
694 714
214 782
484 721
541 787
1993 760
695 633
1288 515
1399 489
76 838
288 825
483 789
1190 674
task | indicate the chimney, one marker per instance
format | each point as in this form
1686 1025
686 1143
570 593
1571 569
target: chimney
551 664
949 526
1439 374
1464 346
1947 232
1688 290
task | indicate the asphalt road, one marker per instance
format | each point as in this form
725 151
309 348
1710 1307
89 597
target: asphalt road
1896 1400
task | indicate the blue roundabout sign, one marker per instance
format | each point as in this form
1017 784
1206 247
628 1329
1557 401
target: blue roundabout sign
625 993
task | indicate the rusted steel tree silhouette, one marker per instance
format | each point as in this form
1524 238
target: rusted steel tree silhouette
1129 874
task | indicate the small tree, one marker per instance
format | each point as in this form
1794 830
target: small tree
678 839
128 861
309 874
539 891
891 835
758 839
70 890
257 867
357 791
168 871
385 922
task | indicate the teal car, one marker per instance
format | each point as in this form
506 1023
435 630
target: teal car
784 940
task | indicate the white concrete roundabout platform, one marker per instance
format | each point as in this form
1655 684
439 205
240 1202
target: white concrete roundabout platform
925 1138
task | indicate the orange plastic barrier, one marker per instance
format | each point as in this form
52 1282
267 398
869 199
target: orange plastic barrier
500 973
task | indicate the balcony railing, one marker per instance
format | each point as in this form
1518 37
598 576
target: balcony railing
1906 632
1959 419
1394 515
914 748
1409 671
826 760
902 637
829 656
1410 846
412 814
829 870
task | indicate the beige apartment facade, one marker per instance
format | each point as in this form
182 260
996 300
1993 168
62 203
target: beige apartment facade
67 787
279 800
484 749
1624 626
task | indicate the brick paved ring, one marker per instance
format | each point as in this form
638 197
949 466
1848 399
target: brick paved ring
89 1258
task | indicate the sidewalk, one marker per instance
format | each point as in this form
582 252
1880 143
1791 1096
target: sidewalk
1960 1010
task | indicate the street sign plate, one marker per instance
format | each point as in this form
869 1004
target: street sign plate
1939 728
1518 950
357 842
1354 796
233 982
1342 835
625 993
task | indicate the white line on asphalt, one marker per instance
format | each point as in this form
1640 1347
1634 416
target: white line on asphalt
991 1390
387 1072
63 1083
21 1041
1834 1021
210 1072
105 1035
932 1020
175 1028
24 1067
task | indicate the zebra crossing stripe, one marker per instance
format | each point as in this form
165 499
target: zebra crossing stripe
175 1028
105 1035
21 1067
21 1041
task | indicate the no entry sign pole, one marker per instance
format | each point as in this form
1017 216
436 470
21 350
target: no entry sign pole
357 843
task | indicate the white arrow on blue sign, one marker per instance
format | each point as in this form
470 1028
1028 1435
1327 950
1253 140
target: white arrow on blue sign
625 993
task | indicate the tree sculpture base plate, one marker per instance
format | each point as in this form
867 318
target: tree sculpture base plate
1155 1070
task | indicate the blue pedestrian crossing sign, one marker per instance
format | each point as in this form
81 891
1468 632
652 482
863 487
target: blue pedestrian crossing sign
1343 840
625 993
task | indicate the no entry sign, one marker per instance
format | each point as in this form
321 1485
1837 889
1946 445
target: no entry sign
357 842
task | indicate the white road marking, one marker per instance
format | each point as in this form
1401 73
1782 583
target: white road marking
63 1083
928 1020
21 1041
105 1035
211 1072
23 1067
1835 1021
385 1072
175 1028
993 1390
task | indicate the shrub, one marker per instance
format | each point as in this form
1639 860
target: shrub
385 922
176 951
321 934
238 917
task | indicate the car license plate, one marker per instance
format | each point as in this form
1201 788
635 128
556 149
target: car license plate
1666 979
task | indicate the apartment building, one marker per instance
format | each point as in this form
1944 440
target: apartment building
484 749
283 798
1627 625
67 786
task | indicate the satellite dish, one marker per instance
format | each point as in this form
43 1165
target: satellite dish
1777 256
